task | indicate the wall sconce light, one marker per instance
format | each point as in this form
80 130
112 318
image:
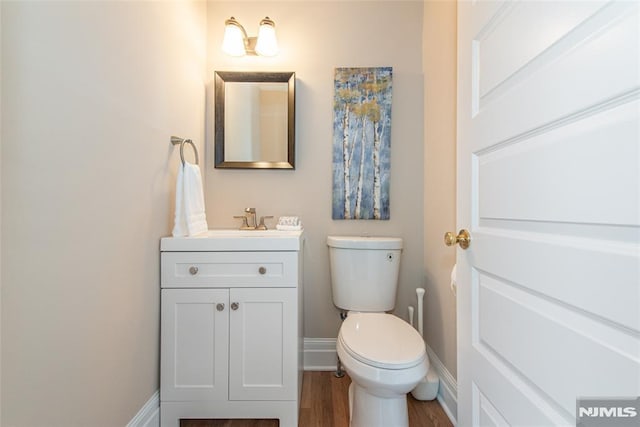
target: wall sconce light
237 43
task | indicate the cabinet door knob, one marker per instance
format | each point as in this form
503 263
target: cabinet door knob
234 306
262 270
193 270
220 306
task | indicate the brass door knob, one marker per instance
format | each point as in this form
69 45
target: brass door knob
463 238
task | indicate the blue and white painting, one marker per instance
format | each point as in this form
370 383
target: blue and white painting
361 143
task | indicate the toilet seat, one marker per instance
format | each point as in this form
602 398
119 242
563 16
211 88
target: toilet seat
382 340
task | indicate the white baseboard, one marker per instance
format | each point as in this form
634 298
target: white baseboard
149 414
320 355
448 390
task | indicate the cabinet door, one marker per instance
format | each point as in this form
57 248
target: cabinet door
194 344
263 344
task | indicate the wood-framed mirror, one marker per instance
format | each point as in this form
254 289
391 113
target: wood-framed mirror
255 120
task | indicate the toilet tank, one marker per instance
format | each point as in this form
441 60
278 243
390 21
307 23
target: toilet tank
364 272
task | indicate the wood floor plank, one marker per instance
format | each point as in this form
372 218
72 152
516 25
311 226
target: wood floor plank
325 403
307 386
322 414
340 400
426 413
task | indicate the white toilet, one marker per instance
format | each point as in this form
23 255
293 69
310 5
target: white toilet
384 356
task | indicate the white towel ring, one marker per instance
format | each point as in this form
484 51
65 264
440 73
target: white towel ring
177 140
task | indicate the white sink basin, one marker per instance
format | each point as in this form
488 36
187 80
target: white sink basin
235 240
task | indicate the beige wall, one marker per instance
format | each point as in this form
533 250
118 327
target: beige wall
316 37
92 92
439 59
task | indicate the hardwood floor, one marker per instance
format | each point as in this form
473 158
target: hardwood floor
325 403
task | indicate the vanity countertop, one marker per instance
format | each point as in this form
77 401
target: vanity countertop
235 240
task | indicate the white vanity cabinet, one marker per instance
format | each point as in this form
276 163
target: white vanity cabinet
231 330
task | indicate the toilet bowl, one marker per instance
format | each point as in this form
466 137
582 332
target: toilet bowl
385 358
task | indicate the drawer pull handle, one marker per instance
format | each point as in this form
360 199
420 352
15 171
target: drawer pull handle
262 270
234 306
193 270
220 307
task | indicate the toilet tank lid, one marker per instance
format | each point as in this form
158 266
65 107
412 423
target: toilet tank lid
364 242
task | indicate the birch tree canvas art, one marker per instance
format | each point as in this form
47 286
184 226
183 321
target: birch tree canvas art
361 143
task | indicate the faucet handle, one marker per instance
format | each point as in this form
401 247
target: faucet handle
250 210
262 225
245 225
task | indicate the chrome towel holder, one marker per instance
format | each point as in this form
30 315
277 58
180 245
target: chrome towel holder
175 140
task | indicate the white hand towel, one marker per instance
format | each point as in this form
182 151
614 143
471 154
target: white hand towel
190 219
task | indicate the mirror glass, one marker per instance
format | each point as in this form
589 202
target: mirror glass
255 120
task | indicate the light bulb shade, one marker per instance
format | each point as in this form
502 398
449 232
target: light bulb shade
233 42
267 44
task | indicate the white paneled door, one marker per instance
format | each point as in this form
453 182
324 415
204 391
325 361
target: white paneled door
549 189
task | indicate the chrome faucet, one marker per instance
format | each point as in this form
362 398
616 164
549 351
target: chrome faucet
249 220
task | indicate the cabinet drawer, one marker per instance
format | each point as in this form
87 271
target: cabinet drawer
225 269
